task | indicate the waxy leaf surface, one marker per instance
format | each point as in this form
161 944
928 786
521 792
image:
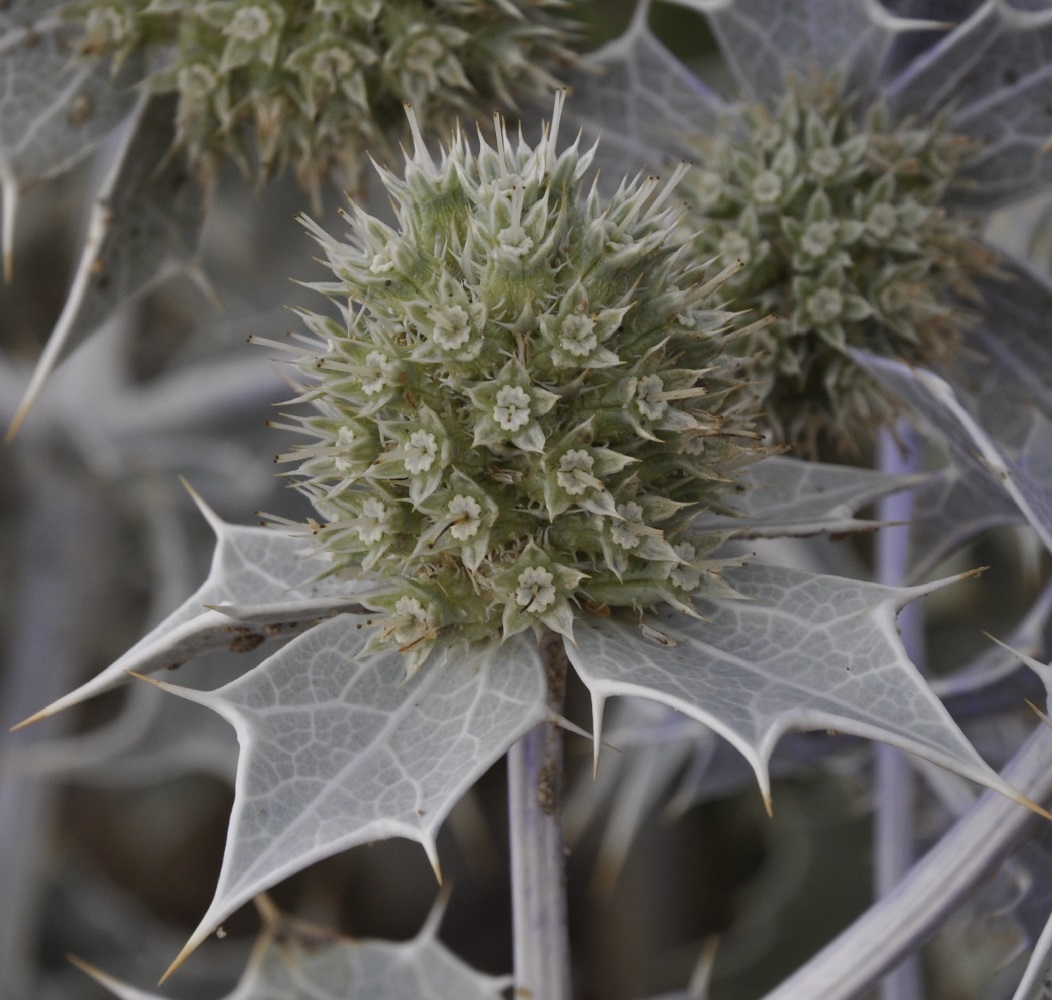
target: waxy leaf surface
767 44
294 959
993 73
265 584
785 496
647 105
54 110
145 225
1022 467
801 651
339 749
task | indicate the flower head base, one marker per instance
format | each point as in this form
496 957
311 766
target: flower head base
521 415
842 235
317 83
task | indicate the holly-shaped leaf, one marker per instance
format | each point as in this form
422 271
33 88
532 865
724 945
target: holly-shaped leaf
338 749
295 959
54 109
800 651
766 44
995 72
784 496
145 225
1022 465
647 104
264 584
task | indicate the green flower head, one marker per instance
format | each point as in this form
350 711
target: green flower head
527 401
841 232
315 83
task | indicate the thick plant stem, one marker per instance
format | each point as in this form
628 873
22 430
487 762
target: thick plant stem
893 832
895 925
538 862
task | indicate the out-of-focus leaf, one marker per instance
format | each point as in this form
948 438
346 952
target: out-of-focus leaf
785 496
994 72
767 44
54 110
145 225
262 585
800 651
647 105
1025 476
338 749
295 959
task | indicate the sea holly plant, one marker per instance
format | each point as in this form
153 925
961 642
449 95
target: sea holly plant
536 417
516 427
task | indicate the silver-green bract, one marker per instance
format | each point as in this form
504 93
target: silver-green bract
318 83
840 224
527 401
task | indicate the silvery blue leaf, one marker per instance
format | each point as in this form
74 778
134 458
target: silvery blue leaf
338 748
766 44
993 73
294 959
799 651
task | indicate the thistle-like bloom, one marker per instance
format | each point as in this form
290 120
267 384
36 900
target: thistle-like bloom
316 84
845 173
528 401
844 236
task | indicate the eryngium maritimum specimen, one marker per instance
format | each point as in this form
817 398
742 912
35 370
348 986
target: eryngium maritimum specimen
841 227
316 84
527 401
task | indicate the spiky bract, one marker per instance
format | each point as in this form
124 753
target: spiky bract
316 83
527 402
842 229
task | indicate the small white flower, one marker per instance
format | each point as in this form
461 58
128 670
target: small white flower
825 306
452 328
512 411
649 397
734 246
708 186
197 81
535 590
382 262
375 375
825 162
577 335
767 187
575 472
626 532
514 241
467 512
420 452
882 221
331 64
250 24
818 238
345 438
409 624
371 523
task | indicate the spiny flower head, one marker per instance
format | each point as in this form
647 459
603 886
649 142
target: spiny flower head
528 399
843 235
317 82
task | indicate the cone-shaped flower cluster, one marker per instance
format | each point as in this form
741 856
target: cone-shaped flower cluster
840 226
528 400
317 82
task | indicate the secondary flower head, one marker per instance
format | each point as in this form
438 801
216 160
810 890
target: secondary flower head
527 401
316 84
841 224
840 158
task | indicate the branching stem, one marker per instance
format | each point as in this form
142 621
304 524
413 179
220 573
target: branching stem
538 862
